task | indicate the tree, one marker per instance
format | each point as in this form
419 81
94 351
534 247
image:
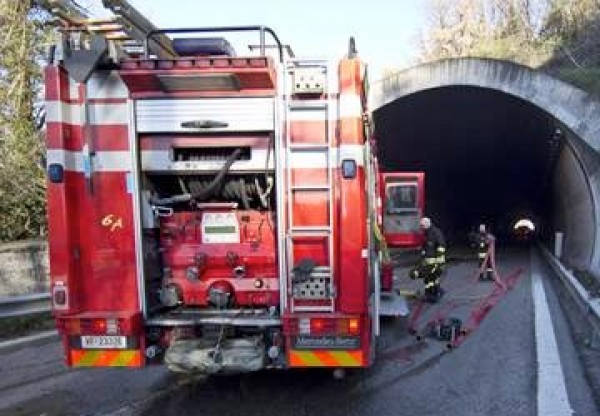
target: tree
561 37
22 179
504 29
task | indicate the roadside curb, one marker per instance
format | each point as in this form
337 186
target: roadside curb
589 306
7 346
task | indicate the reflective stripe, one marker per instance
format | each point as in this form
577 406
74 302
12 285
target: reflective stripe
106 358
103 161
99 114
350 105
441 249
482 255
440 259
430 260
305 159
107 84
120 160
326 358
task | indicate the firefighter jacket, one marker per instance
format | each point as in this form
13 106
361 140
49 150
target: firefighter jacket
433 250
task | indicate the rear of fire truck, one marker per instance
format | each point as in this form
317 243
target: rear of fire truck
207 210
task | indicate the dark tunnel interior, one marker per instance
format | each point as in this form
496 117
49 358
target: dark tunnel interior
487 156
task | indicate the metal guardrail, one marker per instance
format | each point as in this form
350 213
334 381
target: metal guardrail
23 305
588 305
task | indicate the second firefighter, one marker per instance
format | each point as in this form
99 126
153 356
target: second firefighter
484 242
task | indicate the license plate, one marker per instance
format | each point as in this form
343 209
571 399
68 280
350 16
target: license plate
103 342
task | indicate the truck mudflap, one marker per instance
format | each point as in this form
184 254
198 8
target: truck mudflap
239 355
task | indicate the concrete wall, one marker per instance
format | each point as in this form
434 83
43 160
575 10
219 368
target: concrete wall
573 211
23 268
589 162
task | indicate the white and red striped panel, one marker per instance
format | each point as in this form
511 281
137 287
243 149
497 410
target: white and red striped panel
91 228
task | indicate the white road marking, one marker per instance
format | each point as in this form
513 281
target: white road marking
552 397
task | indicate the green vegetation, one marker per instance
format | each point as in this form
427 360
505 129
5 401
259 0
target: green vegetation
561 37
22 181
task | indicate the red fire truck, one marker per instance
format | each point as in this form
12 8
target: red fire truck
209 211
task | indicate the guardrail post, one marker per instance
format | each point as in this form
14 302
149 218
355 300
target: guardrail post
558 244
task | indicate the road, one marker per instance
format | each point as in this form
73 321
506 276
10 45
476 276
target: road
495 371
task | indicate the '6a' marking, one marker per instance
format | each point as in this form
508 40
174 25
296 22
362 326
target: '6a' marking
112 222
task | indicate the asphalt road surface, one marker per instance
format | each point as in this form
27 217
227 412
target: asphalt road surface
527 357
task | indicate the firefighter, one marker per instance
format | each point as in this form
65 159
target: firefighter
484 242
433 258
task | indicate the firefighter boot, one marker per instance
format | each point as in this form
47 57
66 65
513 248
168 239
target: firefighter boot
432 289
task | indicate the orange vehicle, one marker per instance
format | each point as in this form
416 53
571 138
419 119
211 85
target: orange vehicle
210 211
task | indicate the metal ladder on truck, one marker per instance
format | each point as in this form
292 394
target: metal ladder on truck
316 293
127 27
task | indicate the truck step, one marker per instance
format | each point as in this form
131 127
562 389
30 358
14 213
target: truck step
393 304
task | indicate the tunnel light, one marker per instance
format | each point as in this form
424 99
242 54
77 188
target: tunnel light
525 223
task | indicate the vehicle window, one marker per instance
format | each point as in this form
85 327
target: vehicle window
401 198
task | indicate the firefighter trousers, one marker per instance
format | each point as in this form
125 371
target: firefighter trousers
431 280
486 272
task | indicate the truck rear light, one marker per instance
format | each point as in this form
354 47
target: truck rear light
348 326
328 326
98 326
112 326
323 326
304 326
353 326
109 326
60 296
317 325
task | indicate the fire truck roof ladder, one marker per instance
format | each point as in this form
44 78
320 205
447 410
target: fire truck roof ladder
320 284
128 27
139 28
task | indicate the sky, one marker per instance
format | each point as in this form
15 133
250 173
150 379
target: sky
386 31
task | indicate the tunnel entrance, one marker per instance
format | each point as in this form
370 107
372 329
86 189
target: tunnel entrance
487 156
485 132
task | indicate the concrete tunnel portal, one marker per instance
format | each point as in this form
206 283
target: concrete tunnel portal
498 142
